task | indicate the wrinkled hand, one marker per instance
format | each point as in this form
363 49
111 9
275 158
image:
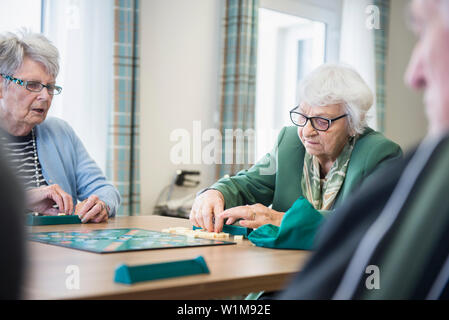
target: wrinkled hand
43 199
92 209
253 216
206 206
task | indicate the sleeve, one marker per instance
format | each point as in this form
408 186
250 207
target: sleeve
383 154
90 179
255 185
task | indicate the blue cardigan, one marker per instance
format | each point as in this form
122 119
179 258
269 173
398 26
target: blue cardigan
65 162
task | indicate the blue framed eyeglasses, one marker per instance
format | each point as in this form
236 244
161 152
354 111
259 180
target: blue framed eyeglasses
34 86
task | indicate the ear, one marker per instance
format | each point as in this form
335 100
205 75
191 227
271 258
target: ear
351 131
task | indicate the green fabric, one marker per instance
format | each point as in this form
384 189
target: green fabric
423 222
297 230
276 179
322 196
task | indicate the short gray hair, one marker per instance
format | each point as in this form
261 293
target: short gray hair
14 48
338 84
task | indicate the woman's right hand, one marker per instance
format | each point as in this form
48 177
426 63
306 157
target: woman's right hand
43 199
205 208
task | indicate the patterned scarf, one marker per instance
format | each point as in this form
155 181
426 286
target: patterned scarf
323 196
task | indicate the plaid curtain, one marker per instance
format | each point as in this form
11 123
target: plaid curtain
123 135
238 87
381 46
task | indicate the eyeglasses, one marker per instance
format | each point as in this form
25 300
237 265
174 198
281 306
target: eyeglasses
34 86
318 123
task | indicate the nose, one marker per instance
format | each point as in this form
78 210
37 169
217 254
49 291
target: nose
415 76
44 95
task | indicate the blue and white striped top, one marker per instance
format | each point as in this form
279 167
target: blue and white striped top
22 156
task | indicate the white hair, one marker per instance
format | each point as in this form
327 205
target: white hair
338 84
14 48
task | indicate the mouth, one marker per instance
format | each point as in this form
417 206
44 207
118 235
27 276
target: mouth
311 142
38 110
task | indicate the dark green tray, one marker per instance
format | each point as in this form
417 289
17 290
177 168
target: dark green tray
132 274
234 230
51 220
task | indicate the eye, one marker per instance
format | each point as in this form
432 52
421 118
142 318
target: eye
298 118
34 86
301 119
321 123
51 89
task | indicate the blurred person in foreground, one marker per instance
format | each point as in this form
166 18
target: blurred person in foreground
391 239
11 232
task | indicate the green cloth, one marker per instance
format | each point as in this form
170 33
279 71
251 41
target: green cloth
297 230
323 195
276 179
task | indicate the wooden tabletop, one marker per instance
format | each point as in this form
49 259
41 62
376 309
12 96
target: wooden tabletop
234 269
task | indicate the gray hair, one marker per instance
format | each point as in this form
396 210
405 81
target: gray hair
14 48
338 84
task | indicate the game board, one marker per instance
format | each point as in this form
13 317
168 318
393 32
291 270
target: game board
120 240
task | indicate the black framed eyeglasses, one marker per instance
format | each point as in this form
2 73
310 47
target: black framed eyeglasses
318 123
34 86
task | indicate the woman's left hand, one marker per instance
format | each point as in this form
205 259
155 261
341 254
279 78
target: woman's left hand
253 216
92 209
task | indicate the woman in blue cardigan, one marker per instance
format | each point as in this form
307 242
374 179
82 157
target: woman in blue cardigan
50 159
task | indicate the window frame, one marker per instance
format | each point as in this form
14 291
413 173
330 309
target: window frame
269 121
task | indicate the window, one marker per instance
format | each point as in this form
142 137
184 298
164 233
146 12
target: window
16 17
82 30
294 38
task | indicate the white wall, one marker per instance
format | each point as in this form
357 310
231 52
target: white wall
406 122
180 57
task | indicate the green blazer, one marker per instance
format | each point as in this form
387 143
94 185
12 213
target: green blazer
276 179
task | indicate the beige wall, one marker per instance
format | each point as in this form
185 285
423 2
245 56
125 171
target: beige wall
178 85
405 119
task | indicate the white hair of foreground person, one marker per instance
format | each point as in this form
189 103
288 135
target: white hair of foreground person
338 84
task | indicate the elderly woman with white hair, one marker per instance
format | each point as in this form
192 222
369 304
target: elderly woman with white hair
50 159
323 158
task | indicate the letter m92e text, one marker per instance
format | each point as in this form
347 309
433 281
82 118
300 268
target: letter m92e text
245 309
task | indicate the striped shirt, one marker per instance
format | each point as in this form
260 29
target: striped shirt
22 155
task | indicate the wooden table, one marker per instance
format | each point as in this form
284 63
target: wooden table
234 269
